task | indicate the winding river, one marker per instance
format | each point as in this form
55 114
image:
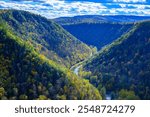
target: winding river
75 68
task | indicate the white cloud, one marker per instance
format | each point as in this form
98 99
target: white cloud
130 1
135 6
60 8
56 8
123 5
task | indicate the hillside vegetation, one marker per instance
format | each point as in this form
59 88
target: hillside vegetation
97 34
97 30
47 37
123 67
26 74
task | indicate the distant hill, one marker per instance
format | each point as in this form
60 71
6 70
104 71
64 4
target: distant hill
98 30
123 67
98 34
100 19
46 36
27 74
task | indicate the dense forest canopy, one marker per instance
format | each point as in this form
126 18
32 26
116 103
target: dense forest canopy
98 30
46 36
97 34
26 74
123 67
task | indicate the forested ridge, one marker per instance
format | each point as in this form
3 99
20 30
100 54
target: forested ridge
25 74
98 34
100 19
47 37
28 73
123 67
98 30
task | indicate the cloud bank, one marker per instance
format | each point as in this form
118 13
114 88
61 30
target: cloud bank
130 1
63 8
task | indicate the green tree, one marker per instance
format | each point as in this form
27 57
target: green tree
127 95
42 97
2 92
23 97
103 92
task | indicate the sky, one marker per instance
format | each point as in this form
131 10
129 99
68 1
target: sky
68 8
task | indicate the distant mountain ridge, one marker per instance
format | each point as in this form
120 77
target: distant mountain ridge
97 30
98 34
100 19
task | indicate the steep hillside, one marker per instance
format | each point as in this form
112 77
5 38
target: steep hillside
97 34
97 30
26 74
123 67
46 36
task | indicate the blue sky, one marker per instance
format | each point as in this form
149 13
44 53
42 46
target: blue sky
64 8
